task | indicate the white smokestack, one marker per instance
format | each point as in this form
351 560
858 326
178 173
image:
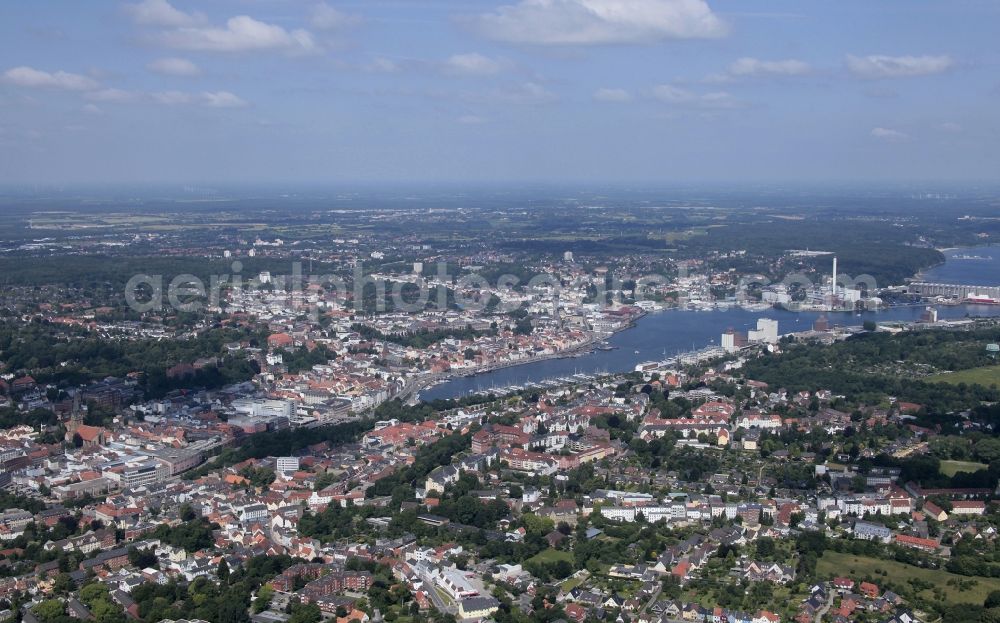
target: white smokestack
833 284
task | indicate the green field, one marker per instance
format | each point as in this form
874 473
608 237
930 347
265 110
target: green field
549 556
989 375
574 580
834 564
950 468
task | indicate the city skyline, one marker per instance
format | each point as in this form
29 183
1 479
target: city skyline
510 90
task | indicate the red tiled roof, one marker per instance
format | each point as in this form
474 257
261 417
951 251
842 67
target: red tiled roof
89 433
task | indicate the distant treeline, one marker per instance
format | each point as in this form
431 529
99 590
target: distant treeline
879 249
102 271
66 355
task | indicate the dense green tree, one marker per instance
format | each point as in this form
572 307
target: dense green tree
306 613
50 611
192 536
222 571
232 611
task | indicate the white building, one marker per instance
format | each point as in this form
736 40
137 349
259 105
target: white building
767 331
253 513
769 422
652 514
860 506
261 407
454 582
729 342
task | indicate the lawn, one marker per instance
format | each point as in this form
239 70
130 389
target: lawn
989 375
950 468
575 580
708 598
834 564
549 556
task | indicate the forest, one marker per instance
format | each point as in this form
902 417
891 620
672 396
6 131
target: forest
110 273
67 356
871 366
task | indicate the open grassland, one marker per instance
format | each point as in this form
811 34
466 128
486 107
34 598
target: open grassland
950 468
550 556
834 564
985 376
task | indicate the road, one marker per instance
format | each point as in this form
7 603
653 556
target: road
822 611
653 598
439 602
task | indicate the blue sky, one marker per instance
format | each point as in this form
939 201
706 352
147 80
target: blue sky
493 91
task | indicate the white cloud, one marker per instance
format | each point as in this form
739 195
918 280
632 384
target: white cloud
755 67
592 22
222 99
161 13
670 94
472 64
527 92
889 135
212 99
471 120
325 17
38 79
523 93
93 109
748 67
951 126
174 67
382 65
881 66
612 95
241 34
174 98
29 77
117 96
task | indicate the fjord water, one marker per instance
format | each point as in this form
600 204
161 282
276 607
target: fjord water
978 266
660 335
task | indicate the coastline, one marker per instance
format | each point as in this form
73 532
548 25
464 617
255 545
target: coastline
921 274
839 314
685 331
443 377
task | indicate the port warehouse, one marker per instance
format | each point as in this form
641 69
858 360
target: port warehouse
924 288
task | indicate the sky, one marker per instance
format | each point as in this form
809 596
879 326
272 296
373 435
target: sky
379 91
